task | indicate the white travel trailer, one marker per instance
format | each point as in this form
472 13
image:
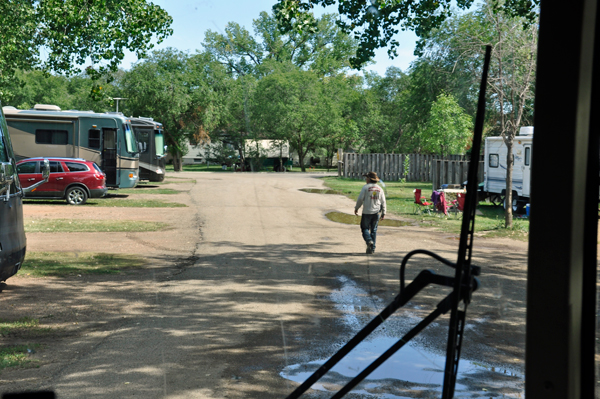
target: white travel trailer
494 175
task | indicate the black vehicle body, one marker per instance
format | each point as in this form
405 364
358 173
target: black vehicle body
12 232
153 154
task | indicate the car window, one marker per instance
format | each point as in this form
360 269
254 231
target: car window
97 167
76 167
55 167
26 167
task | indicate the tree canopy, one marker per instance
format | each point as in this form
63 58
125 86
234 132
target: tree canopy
374 23
62 35
325 49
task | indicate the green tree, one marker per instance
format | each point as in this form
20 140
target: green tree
325 49
28 88
293 106
374 23
449 130
461 42
169 87
60 35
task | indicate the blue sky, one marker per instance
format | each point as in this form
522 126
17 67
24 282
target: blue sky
191 19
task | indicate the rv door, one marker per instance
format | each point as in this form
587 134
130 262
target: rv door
526 170
109 156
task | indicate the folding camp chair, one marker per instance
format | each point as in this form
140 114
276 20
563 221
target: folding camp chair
460 201
421 204
442 205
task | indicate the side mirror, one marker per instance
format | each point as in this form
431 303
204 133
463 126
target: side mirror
7 174
45 175
145 147
7 177
45 169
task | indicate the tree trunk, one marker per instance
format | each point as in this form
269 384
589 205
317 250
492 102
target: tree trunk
177 164
508 212
301 161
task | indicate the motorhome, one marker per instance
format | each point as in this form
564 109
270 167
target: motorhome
153 153
494 183
107 139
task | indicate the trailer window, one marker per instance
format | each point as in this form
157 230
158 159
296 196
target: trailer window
94 139
51 136
494 158
527 155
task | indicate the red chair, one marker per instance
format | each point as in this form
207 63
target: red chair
460 201
421 204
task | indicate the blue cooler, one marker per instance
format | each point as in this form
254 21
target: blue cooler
527 209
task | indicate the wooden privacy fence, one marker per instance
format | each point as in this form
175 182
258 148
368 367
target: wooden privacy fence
453 172
390 167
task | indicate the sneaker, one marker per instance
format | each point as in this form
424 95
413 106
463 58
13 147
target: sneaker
370 247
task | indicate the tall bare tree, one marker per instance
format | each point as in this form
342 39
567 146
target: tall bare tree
512 72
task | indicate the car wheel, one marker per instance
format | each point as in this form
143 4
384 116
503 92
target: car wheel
76 196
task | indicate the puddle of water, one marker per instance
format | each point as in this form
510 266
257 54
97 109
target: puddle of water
412 372
346 218
321 191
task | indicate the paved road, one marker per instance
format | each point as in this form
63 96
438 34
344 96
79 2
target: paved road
253 297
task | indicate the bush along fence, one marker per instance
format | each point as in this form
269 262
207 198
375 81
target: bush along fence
391 167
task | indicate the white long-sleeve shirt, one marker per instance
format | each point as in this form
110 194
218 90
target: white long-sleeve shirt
372 199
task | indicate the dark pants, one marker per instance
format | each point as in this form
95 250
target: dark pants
368 226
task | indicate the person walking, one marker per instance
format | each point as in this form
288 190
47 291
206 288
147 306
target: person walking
372 199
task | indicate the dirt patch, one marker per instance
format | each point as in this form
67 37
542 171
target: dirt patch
79 310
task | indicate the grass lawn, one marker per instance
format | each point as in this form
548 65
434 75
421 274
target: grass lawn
140 189
219 168
42 264
18 356
24 327
200 168
111 202
91 226
400 201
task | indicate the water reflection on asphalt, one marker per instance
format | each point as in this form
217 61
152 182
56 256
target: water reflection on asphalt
414 371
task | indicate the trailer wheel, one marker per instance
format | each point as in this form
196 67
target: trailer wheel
517 206
76 196
514 204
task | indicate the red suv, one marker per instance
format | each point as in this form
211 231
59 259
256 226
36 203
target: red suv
72 179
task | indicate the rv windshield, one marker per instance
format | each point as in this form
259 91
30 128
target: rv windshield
130 138
5 144
159 141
